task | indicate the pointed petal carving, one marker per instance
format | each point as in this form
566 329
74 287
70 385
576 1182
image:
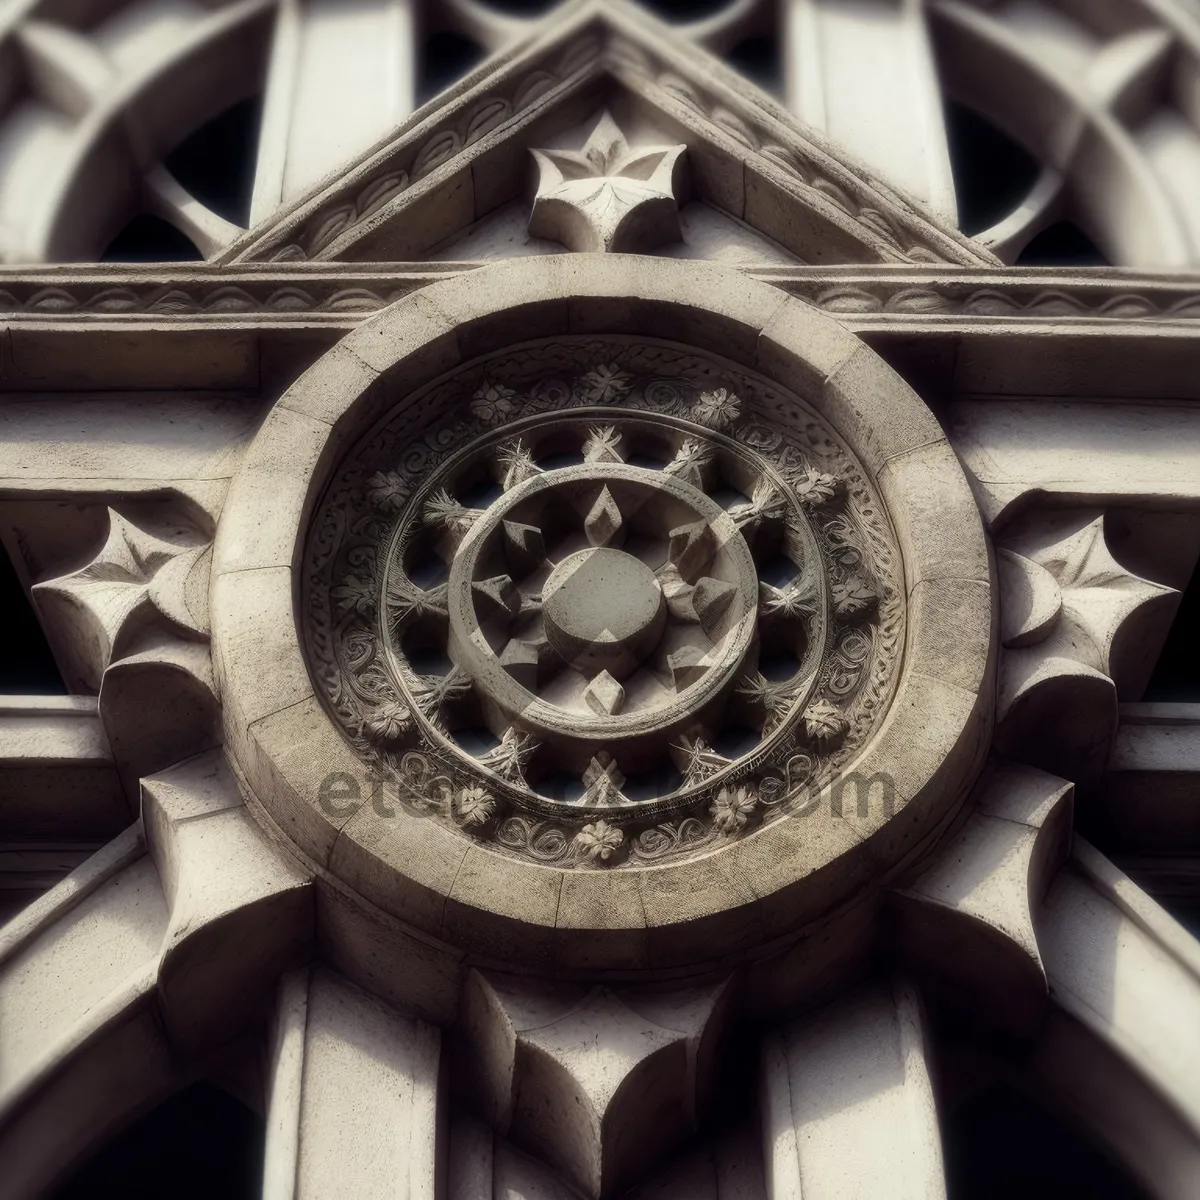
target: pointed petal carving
606 197
1071 618
619 1077
966 926
100 608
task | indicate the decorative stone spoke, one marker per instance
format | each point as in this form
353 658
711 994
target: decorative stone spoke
604 524
603 445
603 782
686 665
510 758
434 693
521 660
407 602
773 698
796 600
690 462
697 760
711 599
517 464
444 512
766 503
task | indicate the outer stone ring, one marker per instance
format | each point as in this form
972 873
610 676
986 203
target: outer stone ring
545 767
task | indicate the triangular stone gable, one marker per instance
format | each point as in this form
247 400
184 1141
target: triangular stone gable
466 155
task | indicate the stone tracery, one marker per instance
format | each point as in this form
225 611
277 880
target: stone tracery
572 596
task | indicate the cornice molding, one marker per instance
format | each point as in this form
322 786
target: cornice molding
347 293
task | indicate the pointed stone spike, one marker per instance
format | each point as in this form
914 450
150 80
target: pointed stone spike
686 666
711 599
520 660
524 547
604 524
692 547
604 695
497 595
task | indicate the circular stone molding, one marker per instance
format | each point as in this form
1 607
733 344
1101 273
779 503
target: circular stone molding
643 608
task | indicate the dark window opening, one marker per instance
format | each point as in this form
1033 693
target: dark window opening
150 239
446 59
686 10
1062 245
758 59
27 667
1002 1144
198 1144
520 8
992 173
216 163
1176 677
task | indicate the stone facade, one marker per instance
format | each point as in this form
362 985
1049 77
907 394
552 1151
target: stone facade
606 642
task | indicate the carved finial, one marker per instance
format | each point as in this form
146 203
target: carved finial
606 197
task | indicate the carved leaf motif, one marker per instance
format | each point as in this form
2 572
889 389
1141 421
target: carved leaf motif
824 721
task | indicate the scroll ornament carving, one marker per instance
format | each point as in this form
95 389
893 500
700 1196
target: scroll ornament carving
545 611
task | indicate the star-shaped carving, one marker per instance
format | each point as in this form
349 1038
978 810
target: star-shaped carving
607 197
1063 591
136 575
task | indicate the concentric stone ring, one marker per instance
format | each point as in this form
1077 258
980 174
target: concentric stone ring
573 609
331 645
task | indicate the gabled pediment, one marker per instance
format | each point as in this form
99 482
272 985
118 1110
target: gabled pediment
467 157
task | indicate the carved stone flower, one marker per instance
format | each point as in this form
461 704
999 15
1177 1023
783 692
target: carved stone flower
388 490
605 383
732 808
824 721
474 806
493 402
599 840
355 593
853 597
815 488
390 722
717 409
606 197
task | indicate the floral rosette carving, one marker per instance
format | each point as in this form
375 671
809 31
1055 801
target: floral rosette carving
430 595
